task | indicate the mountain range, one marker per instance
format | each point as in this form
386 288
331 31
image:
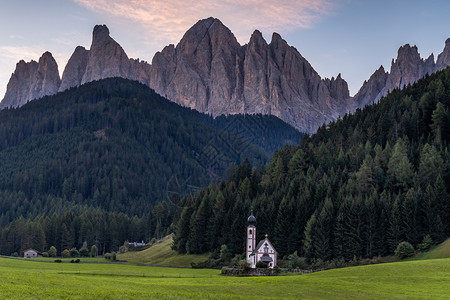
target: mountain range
209 71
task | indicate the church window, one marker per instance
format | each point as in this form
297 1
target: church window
250 231
266 250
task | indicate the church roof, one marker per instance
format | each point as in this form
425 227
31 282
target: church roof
251 220
262 243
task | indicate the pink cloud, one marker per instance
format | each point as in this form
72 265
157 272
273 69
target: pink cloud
166 21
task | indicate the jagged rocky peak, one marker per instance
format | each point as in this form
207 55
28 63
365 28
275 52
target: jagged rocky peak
200 71
47 77
371 90
443 59
100 34
257 41
338 87
106 57
32 80
75 69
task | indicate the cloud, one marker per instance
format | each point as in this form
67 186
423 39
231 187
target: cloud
168 20
16 53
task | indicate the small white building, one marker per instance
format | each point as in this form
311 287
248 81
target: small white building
31 253
264 251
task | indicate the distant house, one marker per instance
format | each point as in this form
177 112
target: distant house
263 252
137 244
31 253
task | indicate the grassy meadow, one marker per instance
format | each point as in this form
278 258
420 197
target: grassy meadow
440 251
161 254
24 279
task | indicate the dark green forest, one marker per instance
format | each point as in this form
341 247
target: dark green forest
113 151
355 189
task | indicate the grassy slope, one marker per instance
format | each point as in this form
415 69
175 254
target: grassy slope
415 279
162 254
440 251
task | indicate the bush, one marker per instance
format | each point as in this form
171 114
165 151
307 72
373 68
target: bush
45 254
15 254
113 255
94 251
225 254
404 250
107 255
261 265
58 261
65 253
243 264
74 252
84 252
294 261
52 251
426 244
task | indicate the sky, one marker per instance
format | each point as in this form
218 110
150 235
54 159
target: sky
351 37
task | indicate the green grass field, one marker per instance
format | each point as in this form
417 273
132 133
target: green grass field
25 279
440 251
161 254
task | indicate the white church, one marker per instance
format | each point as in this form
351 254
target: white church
264 251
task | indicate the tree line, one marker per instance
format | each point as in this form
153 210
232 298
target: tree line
81 226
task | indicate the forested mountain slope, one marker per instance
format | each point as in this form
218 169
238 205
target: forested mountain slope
356 188
109 161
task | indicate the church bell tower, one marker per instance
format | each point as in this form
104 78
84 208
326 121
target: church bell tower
251 239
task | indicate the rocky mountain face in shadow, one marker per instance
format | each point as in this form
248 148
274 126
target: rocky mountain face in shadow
208 70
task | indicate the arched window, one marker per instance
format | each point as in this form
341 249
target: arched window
250 231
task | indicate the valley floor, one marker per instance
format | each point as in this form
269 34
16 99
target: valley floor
24 279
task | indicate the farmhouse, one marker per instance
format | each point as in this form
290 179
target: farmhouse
31 253
263 252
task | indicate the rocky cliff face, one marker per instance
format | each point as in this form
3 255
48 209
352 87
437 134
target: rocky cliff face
75 69
211 72
32 80
444 58
406 69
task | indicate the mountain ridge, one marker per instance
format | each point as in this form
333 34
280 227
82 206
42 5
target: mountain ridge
208 70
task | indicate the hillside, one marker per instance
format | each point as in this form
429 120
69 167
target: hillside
440 251
117 145
95 156
356 189
426 279
162 254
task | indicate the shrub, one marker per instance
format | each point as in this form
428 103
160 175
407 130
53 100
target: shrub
404 250
94 251
107 255
15 254
426 244
84 252
113 255
261 265
58 261
74 252
65 253
243 264
225 254
45 254
52 251
295 261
